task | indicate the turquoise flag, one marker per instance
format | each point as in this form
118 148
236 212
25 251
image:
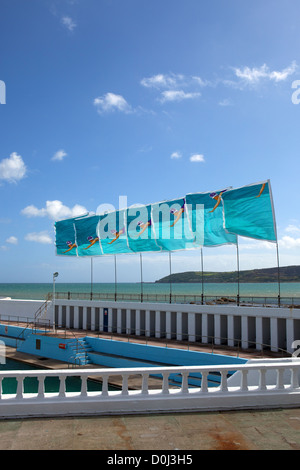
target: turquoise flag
140 231
206 218
65 238
87 238
248 211
199 219
171 225
112 233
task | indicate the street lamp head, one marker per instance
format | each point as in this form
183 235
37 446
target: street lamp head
55 275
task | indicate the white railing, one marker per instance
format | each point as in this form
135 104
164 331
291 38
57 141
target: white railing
261 384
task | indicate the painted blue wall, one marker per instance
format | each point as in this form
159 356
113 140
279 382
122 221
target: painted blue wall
131 354
8 333
49 347
158 354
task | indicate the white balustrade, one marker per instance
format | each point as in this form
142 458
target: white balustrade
258 384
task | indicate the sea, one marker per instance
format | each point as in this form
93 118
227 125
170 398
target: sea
39 291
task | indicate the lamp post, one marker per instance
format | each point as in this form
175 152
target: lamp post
53 299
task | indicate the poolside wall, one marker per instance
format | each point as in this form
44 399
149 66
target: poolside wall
229 325
114 353
158 354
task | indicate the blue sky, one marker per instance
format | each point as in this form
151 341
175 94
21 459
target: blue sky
148 100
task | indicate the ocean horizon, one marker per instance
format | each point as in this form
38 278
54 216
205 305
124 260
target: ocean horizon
39 291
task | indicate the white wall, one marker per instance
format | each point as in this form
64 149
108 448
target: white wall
280 325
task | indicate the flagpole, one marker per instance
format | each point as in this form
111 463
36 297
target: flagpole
91 278
115 278
170 263
278 271
276 235
141 266
238 271
202 280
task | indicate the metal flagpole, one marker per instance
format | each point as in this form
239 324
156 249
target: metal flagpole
276 235
202 280
238 271
115 278
91 278
170 263
141 266
278 271
53 299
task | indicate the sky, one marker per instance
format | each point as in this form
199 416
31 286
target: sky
121 102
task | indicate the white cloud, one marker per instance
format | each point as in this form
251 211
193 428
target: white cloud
112 102
59 155
176 155
163 81
39 237
177 87
12 169
225 102
55 210
12 240
197 158
256 74
202 82
177 95
292 229
68 23
289 242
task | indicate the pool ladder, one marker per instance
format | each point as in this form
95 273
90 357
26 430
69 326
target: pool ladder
80 349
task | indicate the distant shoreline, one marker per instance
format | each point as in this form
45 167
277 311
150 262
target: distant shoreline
266 275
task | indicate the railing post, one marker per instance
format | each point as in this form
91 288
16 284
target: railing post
185 382
224 387
165 385
295 378
41 392
244 381
124 384
204 387
104 386
62 385
83 385
262 379
19 387
279 382
145 377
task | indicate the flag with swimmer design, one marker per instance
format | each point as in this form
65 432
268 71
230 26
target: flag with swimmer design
198 219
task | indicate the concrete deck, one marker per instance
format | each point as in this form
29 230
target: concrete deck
242 430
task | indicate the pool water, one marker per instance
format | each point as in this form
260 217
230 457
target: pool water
73 383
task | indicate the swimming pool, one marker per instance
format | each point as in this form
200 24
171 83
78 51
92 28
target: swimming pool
118 354
73 384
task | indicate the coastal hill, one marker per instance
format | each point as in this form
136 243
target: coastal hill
287 274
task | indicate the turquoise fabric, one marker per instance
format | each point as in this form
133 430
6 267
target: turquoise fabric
171 225
198 219
140 230
65 238
112 233
248 211
88 243
207 220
